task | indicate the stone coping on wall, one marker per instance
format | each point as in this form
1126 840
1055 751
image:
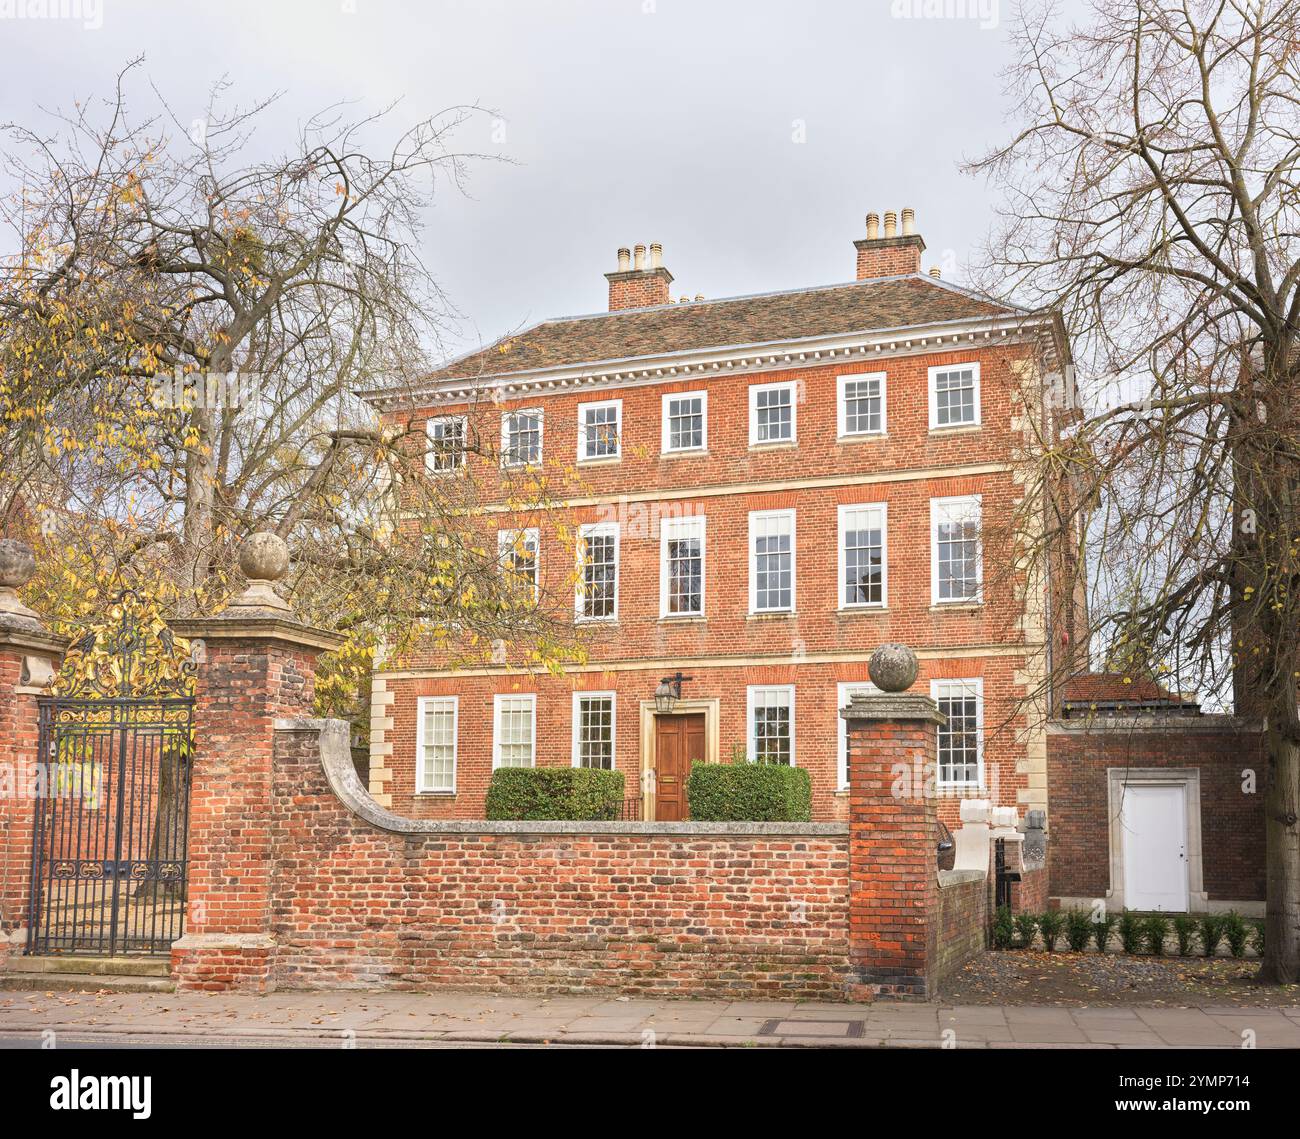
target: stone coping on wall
1154 722
336 760
957 877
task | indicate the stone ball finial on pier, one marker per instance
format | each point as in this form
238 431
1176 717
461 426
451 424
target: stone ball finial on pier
17 565
264 558
893 668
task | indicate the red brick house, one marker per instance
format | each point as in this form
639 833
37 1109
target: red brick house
762 490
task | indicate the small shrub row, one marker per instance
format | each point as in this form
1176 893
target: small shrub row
749 792
554 793
1137 933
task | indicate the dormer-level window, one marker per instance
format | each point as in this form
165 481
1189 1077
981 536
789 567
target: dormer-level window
954 395
521 438
600 429
685 422
446 443
862 404
772 412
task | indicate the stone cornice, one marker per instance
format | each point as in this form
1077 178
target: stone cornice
818 351
33 638
893 706
256 628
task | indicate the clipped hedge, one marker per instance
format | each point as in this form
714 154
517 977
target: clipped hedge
749 793
559 793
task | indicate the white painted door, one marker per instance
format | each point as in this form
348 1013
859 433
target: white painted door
1155 847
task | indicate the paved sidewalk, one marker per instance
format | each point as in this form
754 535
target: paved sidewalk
366 1019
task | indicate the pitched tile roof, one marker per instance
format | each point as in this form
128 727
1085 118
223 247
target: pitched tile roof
1116 688
862 306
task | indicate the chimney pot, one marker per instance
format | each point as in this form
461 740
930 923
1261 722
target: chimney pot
934 271
638 285
889 254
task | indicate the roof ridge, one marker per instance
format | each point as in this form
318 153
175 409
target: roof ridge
673 306
894 302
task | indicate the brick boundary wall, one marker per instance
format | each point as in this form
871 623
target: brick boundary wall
302 880
961 923
910 924
376 901
1079 757
21 651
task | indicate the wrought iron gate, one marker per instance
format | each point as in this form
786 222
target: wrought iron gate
109 852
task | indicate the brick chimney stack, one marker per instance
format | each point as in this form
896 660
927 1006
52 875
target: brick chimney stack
637 286
895 253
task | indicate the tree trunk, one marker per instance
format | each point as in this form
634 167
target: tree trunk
169 838
200 496
1281 964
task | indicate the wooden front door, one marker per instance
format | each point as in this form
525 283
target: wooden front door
679 742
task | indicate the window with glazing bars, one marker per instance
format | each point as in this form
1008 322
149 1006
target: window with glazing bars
522 438
598 587
595 729
959 739
772 560
771 725
685 423
514 731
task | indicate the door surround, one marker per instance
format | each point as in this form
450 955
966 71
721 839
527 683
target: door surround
709 706
1189 778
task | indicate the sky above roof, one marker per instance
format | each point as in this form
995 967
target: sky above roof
750 138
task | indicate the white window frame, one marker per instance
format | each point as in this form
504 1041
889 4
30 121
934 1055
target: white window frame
843 693
505 437
933 374
507 539
583 408
792 386
755 515
497 700
883 603
665 436
751 691
575 721
939 507
668 529
429 454
421 706
586 530
973 684
842 408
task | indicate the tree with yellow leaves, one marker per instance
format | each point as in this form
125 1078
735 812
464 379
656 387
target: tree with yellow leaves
182 328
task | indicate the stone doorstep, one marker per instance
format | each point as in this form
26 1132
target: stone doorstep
11 981
68 963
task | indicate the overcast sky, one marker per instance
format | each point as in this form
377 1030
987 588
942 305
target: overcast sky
750 137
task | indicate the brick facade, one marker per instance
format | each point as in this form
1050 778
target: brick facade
818 646
1224 750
